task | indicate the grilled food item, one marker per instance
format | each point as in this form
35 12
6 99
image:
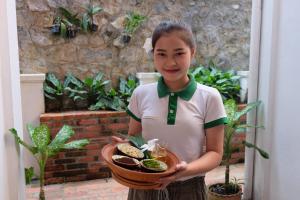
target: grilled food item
130 151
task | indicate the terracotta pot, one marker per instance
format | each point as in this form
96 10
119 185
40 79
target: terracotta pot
214 196
136 178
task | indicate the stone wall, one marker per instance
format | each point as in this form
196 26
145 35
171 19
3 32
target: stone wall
221 28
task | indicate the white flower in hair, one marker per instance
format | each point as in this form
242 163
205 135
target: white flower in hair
150 145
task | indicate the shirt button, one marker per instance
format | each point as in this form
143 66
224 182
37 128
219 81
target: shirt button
172 94
171 111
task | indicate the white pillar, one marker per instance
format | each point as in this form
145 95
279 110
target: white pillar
279 177
12 183
147 77
32 91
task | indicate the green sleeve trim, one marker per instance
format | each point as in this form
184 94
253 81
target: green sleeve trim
216 122
132 115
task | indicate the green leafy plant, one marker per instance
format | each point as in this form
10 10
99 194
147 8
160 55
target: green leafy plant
132 22
88 17
126 87
90 90
110 100
43 148
226 82
29 173
67 24
233 127
53 92
53 88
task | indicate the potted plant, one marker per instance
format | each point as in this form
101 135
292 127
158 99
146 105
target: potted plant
88 18
53 92
133 20
232 190
43 148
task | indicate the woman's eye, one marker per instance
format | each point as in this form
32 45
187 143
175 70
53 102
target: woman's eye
180 53
160 54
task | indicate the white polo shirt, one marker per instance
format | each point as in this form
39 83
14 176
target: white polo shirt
177 119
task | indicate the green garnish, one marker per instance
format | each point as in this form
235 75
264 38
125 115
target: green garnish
151 164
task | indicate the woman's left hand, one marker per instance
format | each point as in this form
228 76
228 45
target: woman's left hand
180 168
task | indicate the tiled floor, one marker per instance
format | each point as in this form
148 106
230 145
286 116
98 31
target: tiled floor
108 189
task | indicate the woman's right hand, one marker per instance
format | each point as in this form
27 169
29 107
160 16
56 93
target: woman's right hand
115 140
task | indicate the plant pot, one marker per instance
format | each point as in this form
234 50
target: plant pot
93 27
126 38
215 196
55 29
71 32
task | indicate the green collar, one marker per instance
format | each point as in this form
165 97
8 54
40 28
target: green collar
185 94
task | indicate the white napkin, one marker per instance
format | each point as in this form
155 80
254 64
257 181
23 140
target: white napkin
150 145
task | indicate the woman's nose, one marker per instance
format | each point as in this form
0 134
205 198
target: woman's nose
170 61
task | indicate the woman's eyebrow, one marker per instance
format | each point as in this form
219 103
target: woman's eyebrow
163 50
179 49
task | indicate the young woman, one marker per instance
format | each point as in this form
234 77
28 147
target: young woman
180 112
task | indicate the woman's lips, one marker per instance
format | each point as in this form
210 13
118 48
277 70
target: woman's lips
171 70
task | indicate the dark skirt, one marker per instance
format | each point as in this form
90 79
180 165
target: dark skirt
191 189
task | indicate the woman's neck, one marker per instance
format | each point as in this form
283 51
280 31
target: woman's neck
178 85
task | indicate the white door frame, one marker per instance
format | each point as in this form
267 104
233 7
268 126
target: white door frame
12 181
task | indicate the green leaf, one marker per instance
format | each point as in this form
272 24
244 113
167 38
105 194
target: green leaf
85 22
30 148
41 136
64 134
96 9
243 127
63 30
49 89
49 97
230 108
30 130
261 152
247 109
29 173
77 144
137 140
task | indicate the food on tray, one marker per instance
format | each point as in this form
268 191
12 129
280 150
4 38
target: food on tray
125 161
154 165
131 151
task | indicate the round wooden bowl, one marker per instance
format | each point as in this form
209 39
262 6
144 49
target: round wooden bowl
135 175
135 184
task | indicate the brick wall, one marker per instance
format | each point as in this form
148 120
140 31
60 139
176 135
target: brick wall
85 164
97 126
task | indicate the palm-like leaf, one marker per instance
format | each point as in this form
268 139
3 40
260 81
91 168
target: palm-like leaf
77 144
30 148
247 109
261 152
41 137
64 134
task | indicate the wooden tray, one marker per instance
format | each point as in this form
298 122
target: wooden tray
134 175
134 184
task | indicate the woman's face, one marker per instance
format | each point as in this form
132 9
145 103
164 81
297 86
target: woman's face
172 58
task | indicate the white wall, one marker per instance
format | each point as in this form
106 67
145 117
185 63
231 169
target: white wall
279 81
11 169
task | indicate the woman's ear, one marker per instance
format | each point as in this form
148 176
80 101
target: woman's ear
193 52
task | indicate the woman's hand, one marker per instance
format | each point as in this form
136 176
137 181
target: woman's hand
115 140
180 169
